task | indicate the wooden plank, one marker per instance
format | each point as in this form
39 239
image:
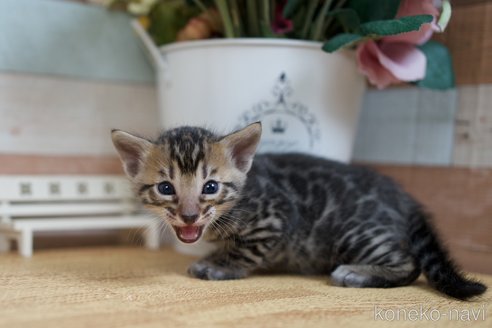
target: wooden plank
57 116
417 130
461 201
45 164
473 134
468 39
70 39
457 3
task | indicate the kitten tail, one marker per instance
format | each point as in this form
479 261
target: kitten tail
435 262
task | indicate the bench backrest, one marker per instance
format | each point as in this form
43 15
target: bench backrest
61 196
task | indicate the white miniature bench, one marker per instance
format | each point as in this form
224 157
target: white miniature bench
56 203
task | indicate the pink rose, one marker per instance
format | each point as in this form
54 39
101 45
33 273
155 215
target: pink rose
396 58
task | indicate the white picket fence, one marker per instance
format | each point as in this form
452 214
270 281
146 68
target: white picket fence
60 203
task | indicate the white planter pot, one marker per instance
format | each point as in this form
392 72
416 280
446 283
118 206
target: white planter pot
307 100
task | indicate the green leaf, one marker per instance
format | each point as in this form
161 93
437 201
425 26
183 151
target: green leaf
225 14
266 30
290 8
167 18
439 73
369 11
348 18
395 26
253 25
340 41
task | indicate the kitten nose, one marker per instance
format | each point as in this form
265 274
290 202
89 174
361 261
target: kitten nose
189 219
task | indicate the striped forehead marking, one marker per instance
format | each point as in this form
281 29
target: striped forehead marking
187 147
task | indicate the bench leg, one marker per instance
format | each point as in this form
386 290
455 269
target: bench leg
24 243
4 243
152 236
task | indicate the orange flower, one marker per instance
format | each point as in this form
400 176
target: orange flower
201 27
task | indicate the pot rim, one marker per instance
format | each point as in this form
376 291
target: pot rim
244 42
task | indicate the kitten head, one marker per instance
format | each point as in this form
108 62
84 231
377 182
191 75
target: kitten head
189 176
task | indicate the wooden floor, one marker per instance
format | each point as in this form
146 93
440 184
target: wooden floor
133 287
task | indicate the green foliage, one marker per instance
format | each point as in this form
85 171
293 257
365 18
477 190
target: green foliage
292 7
376 29
347 18
341 41
223 8
439 73
375 10
340 23
394 26
167 18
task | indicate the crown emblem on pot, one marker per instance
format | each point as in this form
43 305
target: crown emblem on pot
290 123
279 126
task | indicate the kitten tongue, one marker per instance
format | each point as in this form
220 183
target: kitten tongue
189 234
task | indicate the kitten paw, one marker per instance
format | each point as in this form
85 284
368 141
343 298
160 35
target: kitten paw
344 277
209 271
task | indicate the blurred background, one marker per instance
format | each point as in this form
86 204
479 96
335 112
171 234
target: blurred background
71 71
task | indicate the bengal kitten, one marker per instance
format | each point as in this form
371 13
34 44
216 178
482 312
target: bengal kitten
289 212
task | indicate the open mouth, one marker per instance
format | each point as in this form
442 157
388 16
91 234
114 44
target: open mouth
188 234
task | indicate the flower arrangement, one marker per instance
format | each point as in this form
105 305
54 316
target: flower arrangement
391 37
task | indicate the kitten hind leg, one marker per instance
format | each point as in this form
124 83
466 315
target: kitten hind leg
367 275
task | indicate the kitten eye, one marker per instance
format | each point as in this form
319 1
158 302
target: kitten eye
211 187
165 188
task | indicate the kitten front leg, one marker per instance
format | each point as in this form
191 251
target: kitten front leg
238 261
247 247
217 267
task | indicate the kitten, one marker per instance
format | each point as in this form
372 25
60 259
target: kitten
289 212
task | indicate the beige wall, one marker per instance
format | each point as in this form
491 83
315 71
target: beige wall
59 125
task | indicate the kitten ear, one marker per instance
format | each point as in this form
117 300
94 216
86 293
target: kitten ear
242 144
131 149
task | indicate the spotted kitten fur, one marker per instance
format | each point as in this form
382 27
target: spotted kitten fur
289 212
